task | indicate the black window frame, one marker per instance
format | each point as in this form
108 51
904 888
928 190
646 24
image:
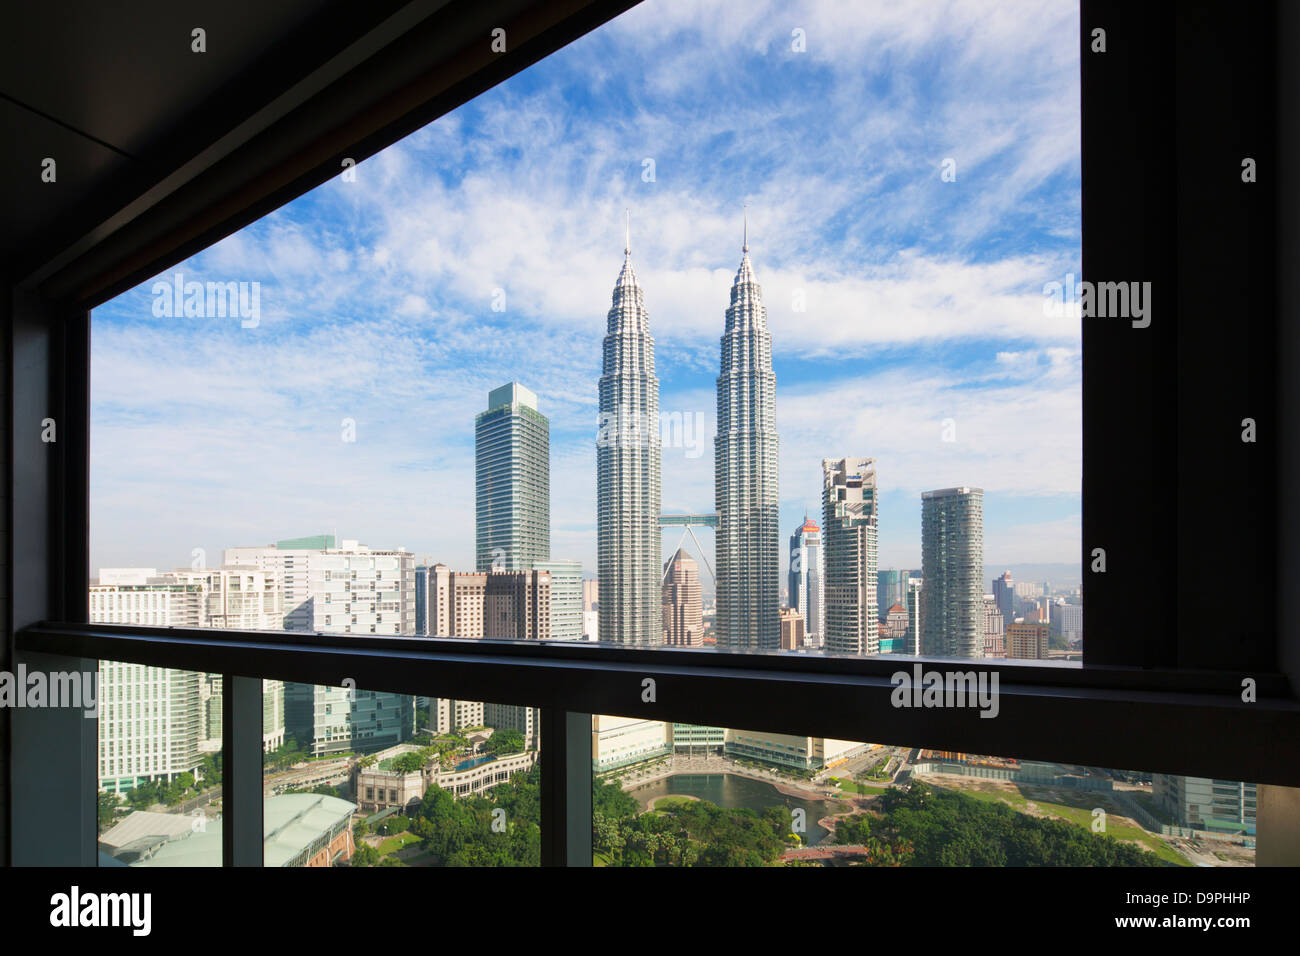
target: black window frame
1161 675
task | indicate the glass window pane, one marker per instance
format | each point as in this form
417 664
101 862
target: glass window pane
827 401
668 794
159 765
355 777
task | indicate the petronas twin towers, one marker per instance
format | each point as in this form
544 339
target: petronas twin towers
628 473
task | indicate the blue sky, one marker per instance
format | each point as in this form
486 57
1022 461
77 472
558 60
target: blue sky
923 298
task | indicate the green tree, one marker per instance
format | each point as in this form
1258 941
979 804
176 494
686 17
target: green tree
508 741
365 855
108 804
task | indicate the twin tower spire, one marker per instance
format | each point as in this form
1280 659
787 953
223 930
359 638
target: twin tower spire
629 466
627 226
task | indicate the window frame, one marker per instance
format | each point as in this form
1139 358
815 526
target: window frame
1139 702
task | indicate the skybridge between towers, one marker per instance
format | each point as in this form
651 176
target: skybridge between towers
690 522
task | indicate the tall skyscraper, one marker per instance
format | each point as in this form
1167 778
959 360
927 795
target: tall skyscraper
683 617
1004 595
748 541
912 643
422 599
850 521
806 573
512 479
628 472
952 560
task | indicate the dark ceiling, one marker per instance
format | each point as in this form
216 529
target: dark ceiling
164 149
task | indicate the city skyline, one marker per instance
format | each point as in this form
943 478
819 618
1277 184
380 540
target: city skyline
902 300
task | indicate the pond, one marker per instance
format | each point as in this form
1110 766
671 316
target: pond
732 791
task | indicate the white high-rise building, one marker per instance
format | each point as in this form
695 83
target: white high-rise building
850 521
350 589
345 590
628 472
1070 617
155 722
745 473
807 594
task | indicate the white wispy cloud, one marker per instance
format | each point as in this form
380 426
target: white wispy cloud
921 299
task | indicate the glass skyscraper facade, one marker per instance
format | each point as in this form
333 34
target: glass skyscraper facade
628 472
805 579
512 479
952 564
748 541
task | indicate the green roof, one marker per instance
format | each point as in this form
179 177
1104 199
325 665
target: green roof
315 542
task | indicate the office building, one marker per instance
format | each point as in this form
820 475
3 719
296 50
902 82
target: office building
1004 596
527 720
628 472
502 605
891 589
422 600
512 482
618 742
566 598
745 475
345 589
590 594
911 644
850 514
995 631
1070 620
806 578
1026 590
792 631
789 750
447 715
952 564
1028 639
1202 803
291 558
156 723
682 613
